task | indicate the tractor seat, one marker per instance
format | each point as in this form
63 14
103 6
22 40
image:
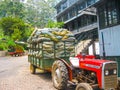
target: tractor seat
74 61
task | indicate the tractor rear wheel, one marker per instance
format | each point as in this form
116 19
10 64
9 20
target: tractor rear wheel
83 86
118 86
32 69
59 75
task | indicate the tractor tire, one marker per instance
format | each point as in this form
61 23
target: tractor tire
118 86
32 69
83 86
59 75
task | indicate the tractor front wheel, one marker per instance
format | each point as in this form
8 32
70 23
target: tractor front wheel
83 86
32 69
59 75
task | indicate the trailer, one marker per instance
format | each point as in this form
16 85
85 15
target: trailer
44 51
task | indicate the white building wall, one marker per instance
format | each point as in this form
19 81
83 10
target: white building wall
111 41
97 49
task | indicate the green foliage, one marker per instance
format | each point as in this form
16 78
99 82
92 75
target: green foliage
37 13
16 34
40 12
10 43
12 14
8 25
19 47
52 24
3 46
15 28
1 33
6 42
12 8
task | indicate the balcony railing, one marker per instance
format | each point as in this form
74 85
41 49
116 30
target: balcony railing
69 5
85 28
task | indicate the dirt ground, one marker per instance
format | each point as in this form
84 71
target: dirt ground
15 75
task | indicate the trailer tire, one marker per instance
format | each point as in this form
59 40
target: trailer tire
83 86
32 69
59 75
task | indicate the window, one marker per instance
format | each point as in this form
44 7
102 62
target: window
86 20
83 20
64 5
72 12
65 17
58 9
79 22
93 19
118 9
82 6
71 26
76 10
112 13
72 2
102 17
75 24
59 19
90 2
108 14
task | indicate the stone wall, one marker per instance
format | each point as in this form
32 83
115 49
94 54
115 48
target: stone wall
3 53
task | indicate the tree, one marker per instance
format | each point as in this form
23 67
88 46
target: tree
6 42
40 12
15 28
12 8
53 24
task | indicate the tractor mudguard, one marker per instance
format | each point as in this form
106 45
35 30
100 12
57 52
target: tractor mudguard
70 69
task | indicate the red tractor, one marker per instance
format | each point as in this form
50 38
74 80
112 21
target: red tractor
86 72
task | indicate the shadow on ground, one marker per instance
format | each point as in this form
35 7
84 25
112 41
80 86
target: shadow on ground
47 76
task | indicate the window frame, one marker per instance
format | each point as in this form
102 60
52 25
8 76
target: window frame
108 14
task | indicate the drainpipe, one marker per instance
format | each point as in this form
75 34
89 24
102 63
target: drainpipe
104 54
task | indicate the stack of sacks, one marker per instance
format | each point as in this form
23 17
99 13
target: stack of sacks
48 49
65 50
53 42
55 34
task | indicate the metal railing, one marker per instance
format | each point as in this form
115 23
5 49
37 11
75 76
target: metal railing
85 28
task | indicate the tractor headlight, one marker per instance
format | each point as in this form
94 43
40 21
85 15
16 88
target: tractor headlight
114 71
106 72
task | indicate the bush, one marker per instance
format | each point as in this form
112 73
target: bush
3 46
15 28
19 48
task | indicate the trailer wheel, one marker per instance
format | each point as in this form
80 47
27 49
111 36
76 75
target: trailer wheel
83 86
32 69
59 75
